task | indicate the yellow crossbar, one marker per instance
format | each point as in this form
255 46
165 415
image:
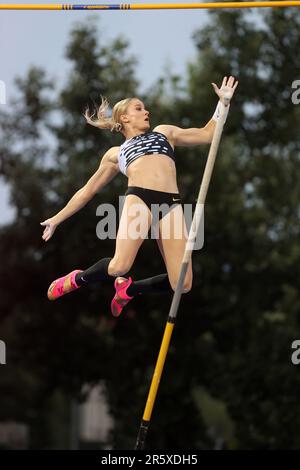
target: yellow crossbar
150 6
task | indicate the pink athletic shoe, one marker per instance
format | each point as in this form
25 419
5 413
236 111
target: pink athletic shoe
121 298
63 285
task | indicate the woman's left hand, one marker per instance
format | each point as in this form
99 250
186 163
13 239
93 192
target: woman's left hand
225 93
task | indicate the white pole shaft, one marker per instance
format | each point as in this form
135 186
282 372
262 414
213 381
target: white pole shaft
198 212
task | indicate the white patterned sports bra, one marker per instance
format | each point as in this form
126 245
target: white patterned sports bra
145 144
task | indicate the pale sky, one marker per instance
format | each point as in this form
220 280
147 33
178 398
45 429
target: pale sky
158 39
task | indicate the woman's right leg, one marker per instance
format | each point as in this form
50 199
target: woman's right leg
133 229
128 242
134 226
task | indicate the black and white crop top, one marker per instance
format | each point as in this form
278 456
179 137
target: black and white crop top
145 144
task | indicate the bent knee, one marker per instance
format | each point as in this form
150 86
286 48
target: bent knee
119 267
187 285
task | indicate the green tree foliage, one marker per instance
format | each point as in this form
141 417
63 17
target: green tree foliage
228 377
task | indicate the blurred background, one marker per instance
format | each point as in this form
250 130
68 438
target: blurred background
75 377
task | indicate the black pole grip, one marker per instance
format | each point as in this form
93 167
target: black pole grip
141 438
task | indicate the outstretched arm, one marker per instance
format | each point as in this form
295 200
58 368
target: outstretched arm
107 170
203 135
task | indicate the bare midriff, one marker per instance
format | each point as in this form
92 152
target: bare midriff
156 172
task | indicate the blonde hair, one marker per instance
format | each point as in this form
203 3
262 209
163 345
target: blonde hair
102 121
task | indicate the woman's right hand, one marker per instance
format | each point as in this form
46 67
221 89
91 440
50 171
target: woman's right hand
50 227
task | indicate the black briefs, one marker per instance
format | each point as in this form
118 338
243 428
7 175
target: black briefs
155 198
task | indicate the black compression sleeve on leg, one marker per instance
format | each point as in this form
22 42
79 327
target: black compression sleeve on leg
153 285
97 272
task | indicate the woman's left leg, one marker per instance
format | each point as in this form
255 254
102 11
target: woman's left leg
172 240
